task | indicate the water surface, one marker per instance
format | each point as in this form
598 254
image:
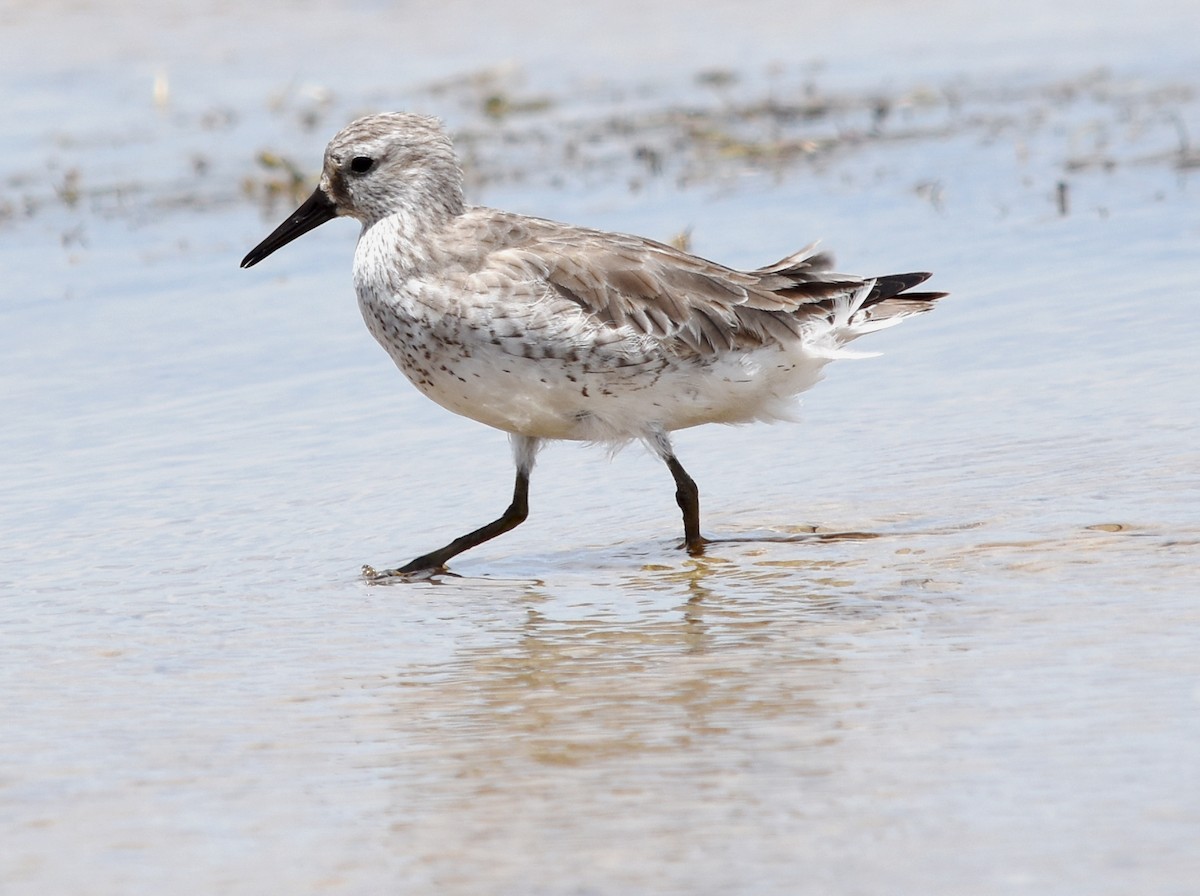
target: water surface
949 642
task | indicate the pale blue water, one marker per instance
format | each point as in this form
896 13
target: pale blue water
999 692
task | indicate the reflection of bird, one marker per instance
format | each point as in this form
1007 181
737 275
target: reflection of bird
548 331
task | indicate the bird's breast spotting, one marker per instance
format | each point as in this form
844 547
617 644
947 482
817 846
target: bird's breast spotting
493 368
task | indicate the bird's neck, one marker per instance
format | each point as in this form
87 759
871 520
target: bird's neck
400 246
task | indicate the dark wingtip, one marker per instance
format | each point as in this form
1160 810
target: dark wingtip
897 285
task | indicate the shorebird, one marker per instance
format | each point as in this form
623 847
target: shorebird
549 331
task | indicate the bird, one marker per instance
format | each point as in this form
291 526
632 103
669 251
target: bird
548 331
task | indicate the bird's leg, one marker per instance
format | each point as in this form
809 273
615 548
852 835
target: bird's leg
524 452
687 495
516 513
688 498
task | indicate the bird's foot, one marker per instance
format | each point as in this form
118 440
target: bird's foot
410 572
695 546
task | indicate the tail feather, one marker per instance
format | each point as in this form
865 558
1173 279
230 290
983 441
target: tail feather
831 308
887 303
809 277
890 285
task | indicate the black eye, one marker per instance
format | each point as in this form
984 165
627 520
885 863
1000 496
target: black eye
361 164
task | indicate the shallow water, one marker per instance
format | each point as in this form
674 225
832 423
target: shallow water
947 643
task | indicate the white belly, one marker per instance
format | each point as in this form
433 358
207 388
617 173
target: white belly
560 378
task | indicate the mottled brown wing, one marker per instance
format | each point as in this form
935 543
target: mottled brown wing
695 305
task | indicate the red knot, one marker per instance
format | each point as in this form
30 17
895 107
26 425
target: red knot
549 331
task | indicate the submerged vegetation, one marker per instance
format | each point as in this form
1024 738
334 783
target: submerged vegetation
711 129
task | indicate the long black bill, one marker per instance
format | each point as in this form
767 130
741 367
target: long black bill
316 210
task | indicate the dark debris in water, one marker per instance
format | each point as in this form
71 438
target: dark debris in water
277 177
708 132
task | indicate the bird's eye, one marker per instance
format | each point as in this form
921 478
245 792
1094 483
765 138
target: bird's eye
361 164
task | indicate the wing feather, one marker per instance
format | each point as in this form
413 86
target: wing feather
694 306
